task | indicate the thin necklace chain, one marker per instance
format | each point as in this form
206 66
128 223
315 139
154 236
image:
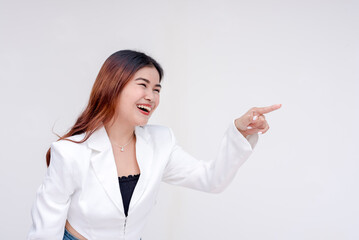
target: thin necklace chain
122 147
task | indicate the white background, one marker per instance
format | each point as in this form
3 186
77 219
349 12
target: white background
220 59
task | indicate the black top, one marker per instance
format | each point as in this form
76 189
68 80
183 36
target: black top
127 186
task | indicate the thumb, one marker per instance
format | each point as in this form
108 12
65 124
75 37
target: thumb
253 117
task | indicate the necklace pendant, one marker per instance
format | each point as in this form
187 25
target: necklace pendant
122 149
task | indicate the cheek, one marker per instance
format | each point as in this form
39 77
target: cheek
130 96
123 103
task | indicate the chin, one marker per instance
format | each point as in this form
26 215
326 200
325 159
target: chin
141 122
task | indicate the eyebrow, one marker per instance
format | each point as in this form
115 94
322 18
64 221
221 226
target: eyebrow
148 81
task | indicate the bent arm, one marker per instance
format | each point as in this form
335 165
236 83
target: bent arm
210 176
49 211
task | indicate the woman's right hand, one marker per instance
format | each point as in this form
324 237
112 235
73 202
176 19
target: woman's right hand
254 121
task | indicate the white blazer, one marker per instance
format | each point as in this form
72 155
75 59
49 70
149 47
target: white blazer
81 183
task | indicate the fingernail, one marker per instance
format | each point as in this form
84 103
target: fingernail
249 127
260 133
255 118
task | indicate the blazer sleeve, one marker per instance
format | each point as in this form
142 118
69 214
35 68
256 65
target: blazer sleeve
210 176
49 211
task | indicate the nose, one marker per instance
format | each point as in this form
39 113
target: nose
150 96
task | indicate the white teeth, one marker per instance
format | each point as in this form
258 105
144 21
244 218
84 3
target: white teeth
145 107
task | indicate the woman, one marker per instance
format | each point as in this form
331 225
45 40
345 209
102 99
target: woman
104 174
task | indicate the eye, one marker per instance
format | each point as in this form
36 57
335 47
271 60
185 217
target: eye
142 84
157 90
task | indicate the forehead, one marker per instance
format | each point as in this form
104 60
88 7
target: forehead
149 73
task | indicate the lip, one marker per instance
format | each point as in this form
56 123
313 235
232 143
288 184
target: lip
143 112
147 105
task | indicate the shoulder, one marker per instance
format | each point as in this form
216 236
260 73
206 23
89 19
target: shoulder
69 147
159 132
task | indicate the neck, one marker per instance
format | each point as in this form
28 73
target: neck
119 133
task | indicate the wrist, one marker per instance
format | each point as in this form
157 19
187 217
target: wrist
243 133
236 123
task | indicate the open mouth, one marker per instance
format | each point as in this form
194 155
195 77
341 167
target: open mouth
144 108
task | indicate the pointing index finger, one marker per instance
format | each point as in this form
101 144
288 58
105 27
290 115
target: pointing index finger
263 110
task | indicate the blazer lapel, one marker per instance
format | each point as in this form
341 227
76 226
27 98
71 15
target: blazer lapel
144 155
103 163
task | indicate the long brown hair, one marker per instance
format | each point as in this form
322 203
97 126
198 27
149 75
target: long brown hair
116 71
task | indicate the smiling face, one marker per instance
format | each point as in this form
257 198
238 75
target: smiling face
139 98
